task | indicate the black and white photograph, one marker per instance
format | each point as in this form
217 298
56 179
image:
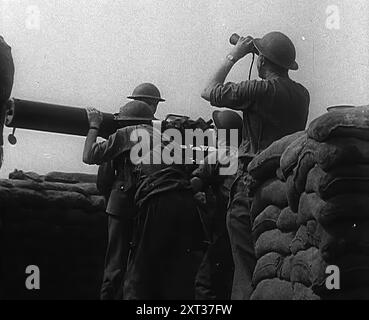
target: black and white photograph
184 155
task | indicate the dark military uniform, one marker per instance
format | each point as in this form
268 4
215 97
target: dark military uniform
116 169
167 238
167 232
271 108
215 276
120 210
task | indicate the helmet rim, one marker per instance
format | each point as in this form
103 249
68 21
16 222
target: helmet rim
258 43
142 96
132 107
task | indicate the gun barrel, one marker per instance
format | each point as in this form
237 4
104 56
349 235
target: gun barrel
47 117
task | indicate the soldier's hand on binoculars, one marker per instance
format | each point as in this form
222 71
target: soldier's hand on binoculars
243 47
95 117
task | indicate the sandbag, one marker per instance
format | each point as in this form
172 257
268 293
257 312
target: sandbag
309 206
351 123
290 156
330 154
300 241
306 237
339 180
279 174
306 161
267 267
20 175
285 273
287 220
272 192
64 177
83 188
265 221
302 293
17 197
273 241
319 275
24 184
302 267
337 152
293 196
67 200
274 289
264 165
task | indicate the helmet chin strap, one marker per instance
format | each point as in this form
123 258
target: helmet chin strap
252 63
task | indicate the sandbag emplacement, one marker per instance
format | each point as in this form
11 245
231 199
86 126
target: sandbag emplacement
351 123
266 221
354 178
274 289
291 155
287 220
277 289
272 192
58 226
308 268
274 241
264 166
268 267
314 212
309 206
343 207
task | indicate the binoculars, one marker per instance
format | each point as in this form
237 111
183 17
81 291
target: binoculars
234 39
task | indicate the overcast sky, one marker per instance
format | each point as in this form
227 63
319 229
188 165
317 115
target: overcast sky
94 52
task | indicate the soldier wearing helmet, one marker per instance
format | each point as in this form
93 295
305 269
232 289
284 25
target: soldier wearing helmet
116 180
145 93
149 93
152 206
272 107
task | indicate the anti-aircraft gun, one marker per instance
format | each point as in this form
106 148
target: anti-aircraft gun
46 117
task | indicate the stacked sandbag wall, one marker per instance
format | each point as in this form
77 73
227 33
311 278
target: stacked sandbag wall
56 222
310 210
284 245
328 181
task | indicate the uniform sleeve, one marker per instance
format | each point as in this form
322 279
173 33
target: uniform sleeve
236 95
116 144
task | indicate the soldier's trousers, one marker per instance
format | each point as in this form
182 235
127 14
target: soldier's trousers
167 249
119 237
215 275
240 234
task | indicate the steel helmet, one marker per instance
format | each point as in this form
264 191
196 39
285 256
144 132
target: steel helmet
135 110
146 91
227 119
278 48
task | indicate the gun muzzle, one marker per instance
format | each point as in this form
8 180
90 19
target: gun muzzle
32 115
234 39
